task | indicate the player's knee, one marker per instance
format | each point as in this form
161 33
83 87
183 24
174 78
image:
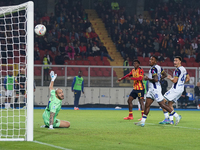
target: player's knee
67 124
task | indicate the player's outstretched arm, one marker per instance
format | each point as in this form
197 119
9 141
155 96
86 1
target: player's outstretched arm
51 120
53 77
174 80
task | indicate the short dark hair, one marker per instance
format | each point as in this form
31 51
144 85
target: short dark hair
156 58
80 71
179 57
136 60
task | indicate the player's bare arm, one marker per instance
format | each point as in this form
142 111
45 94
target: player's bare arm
51 118
174 80
128 75
187 78
163 74
154 79
51 85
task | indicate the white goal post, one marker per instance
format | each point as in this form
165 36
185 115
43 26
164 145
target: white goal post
17 124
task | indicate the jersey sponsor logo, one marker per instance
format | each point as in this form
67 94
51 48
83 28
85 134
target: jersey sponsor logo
54 107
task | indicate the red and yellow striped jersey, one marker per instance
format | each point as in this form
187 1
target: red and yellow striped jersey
137 78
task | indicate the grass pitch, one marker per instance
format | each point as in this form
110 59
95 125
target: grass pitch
106 130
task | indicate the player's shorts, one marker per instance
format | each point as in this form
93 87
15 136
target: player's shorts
155 94
56 122
21 91
173 95
137 93
9 93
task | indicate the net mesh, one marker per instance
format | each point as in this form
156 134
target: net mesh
13 43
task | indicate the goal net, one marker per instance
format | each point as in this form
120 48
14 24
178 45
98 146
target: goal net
16 72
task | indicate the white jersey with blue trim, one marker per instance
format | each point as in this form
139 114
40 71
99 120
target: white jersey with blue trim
155 70
181 74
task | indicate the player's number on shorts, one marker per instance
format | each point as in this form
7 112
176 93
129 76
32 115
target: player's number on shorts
139 94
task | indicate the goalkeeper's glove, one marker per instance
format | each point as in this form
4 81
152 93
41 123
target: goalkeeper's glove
53 76
51 127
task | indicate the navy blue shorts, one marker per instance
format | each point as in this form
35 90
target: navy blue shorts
137 93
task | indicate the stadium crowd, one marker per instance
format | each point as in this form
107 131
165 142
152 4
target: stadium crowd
173 29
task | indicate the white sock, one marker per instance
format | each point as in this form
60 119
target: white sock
144 117
173 113
8 105
166 115
171 117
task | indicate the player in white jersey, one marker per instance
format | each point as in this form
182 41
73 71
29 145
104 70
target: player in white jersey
180 76
154 93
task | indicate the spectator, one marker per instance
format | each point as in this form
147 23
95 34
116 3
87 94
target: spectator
104 52
194 45
198 58
197 95
61 48
126 70
96 50
77 50
184 99
63 39
89 50
36 54
156 45
49 58
70 51
191 52
83 51
46 68
115 5
161 58
59 59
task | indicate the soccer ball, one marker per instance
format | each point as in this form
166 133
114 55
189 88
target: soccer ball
40 29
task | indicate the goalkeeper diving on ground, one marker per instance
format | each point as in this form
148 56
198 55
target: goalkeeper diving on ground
53 107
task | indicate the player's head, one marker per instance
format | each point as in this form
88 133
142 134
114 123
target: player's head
59 94
23 70
80 73
10 72
153 60
198 83
177 61
136 63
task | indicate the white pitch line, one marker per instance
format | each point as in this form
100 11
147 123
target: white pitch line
58 147
174 126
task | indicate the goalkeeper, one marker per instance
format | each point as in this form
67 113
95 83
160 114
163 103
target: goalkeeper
53 107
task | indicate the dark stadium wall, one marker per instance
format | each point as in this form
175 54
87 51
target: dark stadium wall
130 5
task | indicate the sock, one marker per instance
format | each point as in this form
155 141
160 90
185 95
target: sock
166 115
171 117
142 112
8 105
130 114
173 113
16 99
144 117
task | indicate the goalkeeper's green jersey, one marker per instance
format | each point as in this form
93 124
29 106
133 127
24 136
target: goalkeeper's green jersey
54 106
